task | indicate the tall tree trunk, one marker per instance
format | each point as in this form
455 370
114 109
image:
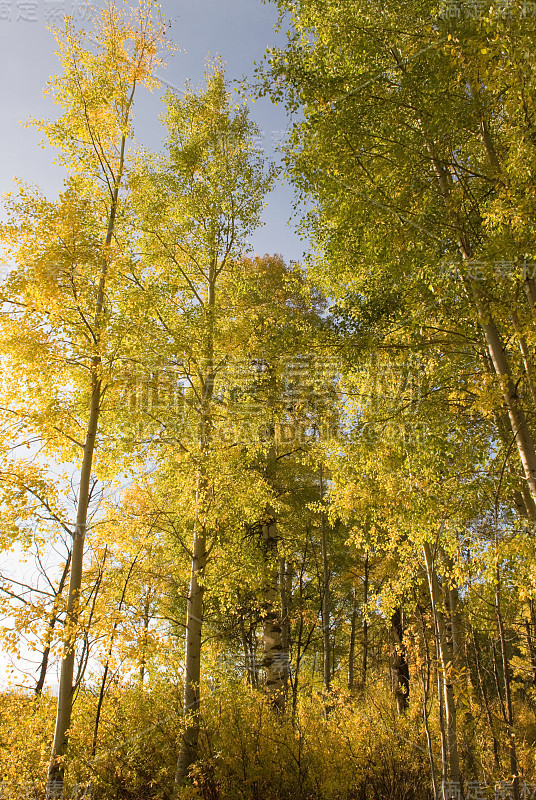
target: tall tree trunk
507 690
496 349
460 666
442 727
445 659
275 660
195 605
194 625
353 629
455 626
301 642
425 683
65 694
497 680
107 665
485 700
526 356
146 619
248 666
326 610
530 629
456 622
400 666
522 498
364 663
192 659
54 788
50 628
285 590
516 415
530 290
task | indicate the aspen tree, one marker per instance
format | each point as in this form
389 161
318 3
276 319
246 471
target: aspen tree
67 271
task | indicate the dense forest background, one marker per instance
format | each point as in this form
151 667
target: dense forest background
280 517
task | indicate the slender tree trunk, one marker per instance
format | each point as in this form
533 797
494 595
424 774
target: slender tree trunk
285 589
353 628
460 666
400 666
523 500
275 660
300 645
530 629
84 655
516 415
326 610
485 701
456 640
442 727
425 715
507 691
497 681
252 637
530 291
496 349
194 625
145 633
364 663
295 674
192 659
44 665
65 693
50 628
456 623
107 665
246 651
445 659
425 683
54 788
526 356
195 605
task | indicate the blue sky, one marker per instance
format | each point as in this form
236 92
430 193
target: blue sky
237 30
